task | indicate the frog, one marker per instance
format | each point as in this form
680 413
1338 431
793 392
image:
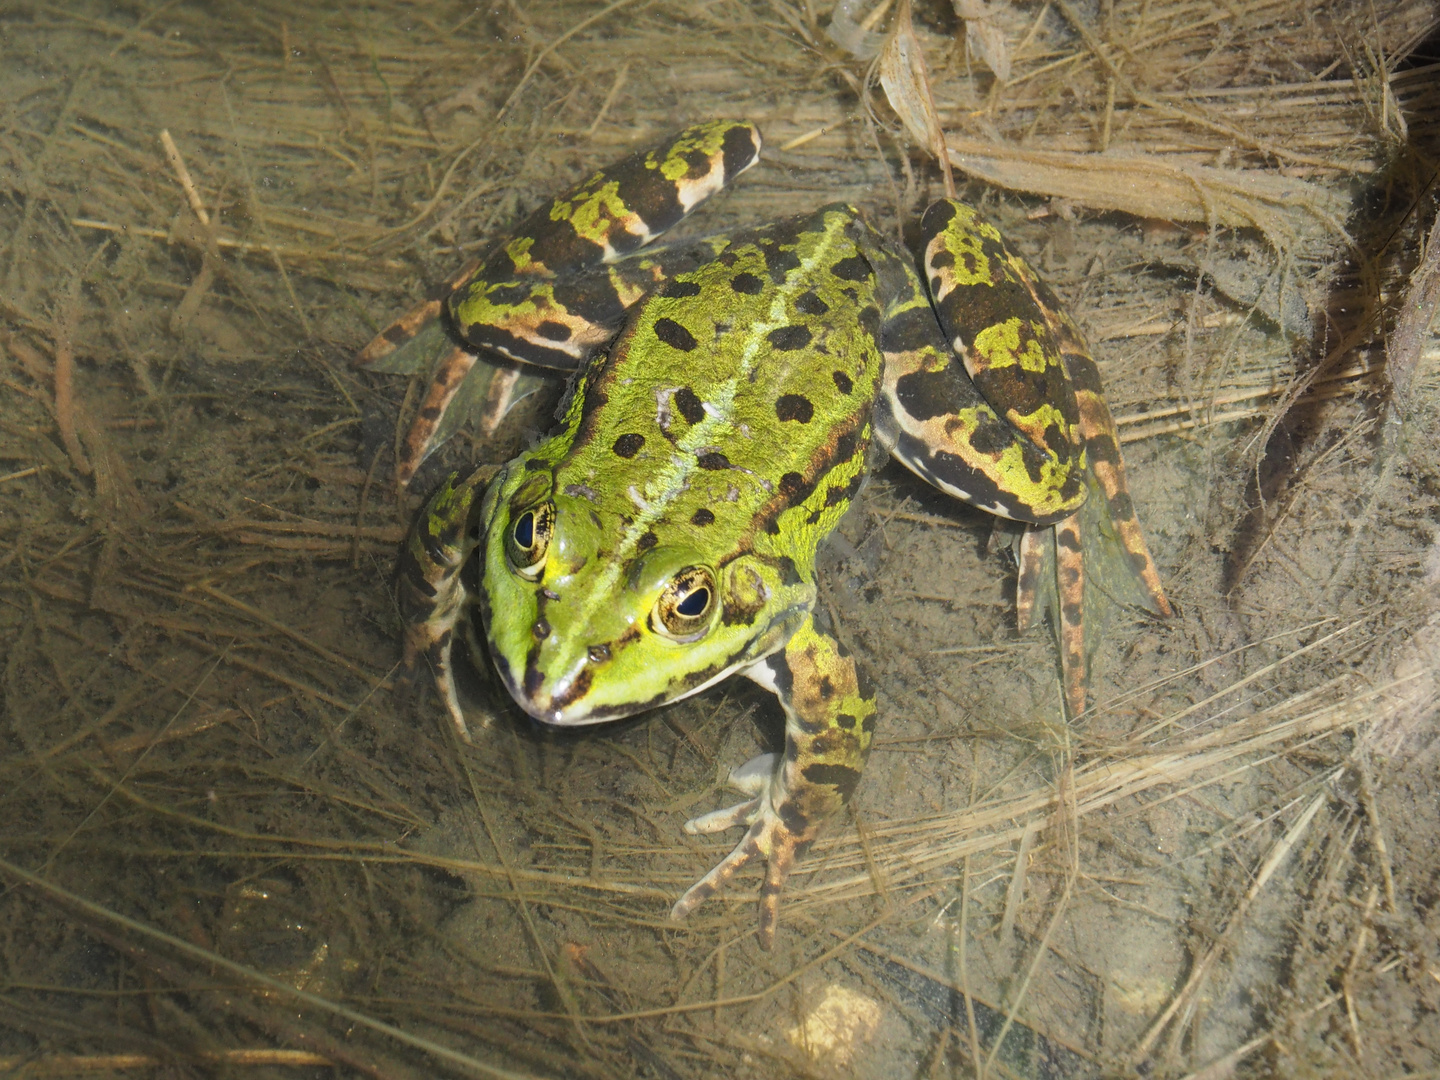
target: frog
724 401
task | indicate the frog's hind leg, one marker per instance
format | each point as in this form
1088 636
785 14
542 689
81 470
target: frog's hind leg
463 386
1005 412
558 289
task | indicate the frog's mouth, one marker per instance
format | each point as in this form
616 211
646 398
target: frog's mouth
568 701
563 701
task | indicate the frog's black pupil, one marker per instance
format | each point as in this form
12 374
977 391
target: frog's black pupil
525 529
694 604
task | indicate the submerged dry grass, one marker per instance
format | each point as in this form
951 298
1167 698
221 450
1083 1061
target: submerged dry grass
233 839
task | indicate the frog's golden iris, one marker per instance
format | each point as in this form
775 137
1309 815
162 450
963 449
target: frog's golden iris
665 536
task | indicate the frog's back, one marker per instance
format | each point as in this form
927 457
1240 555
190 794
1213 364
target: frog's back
733 411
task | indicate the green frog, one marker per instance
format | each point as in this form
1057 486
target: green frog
726 393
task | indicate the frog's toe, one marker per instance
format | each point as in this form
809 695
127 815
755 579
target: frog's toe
745 852
452 706
720 820
769 839
754 776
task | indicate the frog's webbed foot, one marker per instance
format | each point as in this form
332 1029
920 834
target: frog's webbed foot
1069 585
768 838
752 778
464 386
1083 571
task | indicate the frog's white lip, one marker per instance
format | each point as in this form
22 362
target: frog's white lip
582 713
541 701
577 714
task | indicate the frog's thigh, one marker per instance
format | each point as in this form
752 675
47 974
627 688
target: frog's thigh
935 422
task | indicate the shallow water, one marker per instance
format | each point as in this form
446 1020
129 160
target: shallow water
206 731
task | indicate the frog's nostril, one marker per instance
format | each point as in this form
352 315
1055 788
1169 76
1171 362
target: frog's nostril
599 653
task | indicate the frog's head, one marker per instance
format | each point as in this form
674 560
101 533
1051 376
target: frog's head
590 617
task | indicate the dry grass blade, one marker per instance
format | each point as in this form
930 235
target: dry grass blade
1156 187
1185 998
907 88
247 975
109 1064
66 407
1406 346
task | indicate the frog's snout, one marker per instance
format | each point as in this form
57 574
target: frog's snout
554 688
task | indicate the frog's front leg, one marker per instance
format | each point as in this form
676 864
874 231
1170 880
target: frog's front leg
829 720
429 589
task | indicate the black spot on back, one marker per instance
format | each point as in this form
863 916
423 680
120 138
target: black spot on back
855 268
647 541
747 283
713 460
689 405
679 290
628 445
551 330
842 382
807 303
794 407
702 517
789 338
673 334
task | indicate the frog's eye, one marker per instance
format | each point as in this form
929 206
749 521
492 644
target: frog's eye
683 612
528 539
